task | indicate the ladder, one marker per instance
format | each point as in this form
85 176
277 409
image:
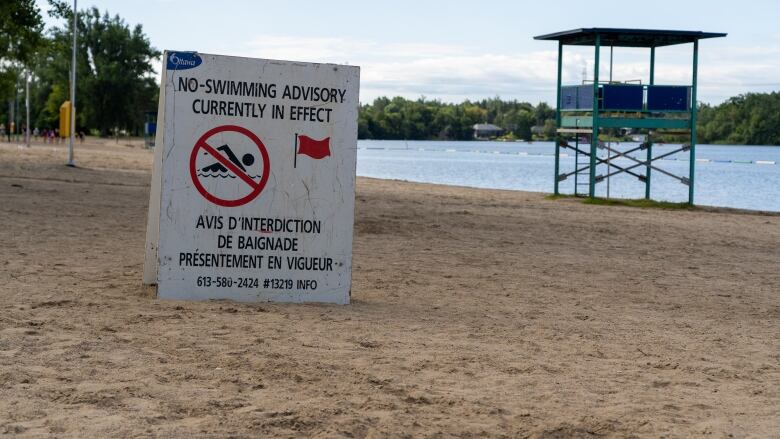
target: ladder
581 175
581 171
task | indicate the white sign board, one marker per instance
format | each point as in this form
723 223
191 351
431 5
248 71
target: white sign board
253 190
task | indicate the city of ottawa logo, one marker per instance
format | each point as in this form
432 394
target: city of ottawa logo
229 166
183 60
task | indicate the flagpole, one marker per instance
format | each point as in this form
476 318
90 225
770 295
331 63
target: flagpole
71 162
295 152
27 106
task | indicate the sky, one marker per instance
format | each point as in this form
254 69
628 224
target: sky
456 50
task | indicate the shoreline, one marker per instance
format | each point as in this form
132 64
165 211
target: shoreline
551 141
729 178
108 147
695 207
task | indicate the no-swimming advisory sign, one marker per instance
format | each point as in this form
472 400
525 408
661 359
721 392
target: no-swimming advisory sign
253 189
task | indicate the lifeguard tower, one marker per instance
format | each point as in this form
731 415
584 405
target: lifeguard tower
584 109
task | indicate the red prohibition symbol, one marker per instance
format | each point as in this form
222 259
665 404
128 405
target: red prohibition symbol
255 186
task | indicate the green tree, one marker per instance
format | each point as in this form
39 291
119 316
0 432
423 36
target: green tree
542 113
115 83
549 129
752 119
400 118
21 28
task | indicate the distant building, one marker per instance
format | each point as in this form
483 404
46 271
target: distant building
487 130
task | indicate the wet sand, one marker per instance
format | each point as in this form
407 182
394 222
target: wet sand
475 313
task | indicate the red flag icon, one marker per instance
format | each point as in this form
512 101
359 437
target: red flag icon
315 149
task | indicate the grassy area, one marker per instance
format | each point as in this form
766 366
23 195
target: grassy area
640 203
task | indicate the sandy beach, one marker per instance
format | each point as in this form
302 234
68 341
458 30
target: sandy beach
475 313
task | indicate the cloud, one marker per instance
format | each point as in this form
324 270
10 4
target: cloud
309 49
446 72
455 72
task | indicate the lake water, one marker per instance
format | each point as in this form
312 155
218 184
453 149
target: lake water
745 177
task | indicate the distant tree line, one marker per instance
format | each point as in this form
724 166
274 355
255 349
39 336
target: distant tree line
749 119
422 119
115 82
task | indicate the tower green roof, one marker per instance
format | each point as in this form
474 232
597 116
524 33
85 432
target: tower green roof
628 37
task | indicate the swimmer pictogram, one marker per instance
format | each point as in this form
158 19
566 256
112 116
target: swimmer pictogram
234 173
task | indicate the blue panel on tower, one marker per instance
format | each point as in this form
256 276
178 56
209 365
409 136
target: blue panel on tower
623 97
569 98
668 98
585 97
